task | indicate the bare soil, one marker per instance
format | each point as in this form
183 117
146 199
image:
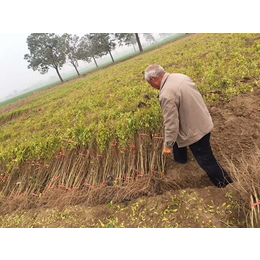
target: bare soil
236 132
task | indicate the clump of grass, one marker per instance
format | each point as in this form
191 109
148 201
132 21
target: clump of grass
247 185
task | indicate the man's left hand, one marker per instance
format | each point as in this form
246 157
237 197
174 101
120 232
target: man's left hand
167 151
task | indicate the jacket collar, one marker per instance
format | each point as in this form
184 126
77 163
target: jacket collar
166 75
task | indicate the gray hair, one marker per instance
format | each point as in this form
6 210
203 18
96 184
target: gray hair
153 71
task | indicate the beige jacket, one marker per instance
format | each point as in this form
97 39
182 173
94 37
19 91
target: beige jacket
186 117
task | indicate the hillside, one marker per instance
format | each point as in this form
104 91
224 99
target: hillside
59 149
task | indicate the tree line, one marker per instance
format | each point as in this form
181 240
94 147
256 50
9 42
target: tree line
49 50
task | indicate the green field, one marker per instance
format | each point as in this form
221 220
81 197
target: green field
105 104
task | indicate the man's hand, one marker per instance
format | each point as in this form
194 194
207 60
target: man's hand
167 151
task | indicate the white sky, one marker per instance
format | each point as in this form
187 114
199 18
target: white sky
13 67
14 73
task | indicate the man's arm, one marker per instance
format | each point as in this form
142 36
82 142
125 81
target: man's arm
171 121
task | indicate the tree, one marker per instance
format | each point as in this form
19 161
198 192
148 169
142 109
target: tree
126 39
138 42
46 50
85 49
133 41
71 48
165 35
104 43
149 38
89 48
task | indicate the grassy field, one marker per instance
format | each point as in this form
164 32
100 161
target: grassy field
27 94
79 134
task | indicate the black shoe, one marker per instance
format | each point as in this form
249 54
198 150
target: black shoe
181 162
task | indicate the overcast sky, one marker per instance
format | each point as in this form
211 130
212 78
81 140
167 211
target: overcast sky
14 73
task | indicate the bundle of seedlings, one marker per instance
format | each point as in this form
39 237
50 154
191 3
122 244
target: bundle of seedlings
78 167
247 185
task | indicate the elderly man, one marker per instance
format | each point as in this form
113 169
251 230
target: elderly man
187 122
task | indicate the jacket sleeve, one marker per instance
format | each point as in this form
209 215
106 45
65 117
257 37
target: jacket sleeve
171 121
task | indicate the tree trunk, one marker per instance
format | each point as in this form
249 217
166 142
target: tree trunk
95 61
57 70
111 56
75 68
134 47
138 41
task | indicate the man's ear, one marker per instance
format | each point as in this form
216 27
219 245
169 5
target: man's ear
152 80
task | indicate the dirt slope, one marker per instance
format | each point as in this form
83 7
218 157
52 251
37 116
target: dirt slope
236 131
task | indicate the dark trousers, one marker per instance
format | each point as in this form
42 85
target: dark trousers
202 152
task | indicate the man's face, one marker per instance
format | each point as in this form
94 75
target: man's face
155 83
